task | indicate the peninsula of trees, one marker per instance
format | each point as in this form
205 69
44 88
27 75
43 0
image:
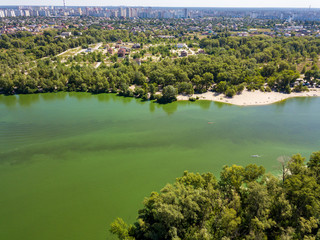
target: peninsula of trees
245 203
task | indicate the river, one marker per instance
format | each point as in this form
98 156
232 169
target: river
70 163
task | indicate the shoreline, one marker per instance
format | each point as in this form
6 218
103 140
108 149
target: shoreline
246 98
253 98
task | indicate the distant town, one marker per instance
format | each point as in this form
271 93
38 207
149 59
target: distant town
309 14
241 22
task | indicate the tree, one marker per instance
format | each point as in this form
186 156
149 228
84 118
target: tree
114 58
152 90
197 81
185 88
169 94
285 79
121 229
268 70
314 56
221 87
139 78
240 88
208 79
314 165
230 92
139 92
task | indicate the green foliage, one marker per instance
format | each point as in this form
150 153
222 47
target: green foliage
300 88
304 69
169 94
268 89
232 63
314 165
230 92
245 203
185 88
240 88
114 58
139 92
221 87
120 229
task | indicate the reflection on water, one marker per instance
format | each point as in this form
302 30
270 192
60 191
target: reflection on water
281 104
152 107
124 100
104 97
9 101
205 105
220 104
169 108
29 99
54 96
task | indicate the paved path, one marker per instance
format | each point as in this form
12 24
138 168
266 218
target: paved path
97 64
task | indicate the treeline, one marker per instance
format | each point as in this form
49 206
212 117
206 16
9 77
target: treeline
232 65
245 203
265 49
48 44
199 74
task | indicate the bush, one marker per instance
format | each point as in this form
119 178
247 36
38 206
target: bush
157 97
230 92
300 88
185 88
127 93
144 97
268 89
139 92
287 89
221 87
240 88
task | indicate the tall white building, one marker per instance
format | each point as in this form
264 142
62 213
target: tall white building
129 12
11 13
18 13
122 12
27 13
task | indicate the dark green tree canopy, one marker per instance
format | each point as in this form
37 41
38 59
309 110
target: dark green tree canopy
245 203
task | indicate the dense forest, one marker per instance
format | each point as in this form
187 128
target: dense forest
244 203
29 64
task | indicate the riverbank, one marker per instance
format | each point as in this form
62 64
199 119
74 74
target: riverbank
253 98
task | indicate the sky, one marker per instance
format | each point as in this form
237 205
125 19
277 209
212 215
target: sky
171 3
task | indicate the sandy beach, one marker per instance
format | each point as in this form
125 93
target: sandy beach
253 98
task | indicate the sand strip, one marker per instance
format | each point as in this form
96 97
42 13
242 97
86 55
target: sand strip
252 98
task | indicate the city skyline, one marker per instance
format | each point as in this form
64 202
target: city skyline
167 3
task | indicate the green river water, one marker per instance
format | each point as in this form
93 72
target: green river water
70 163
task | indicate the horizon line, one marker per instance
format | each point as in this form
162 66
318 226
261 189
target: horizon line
25 5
